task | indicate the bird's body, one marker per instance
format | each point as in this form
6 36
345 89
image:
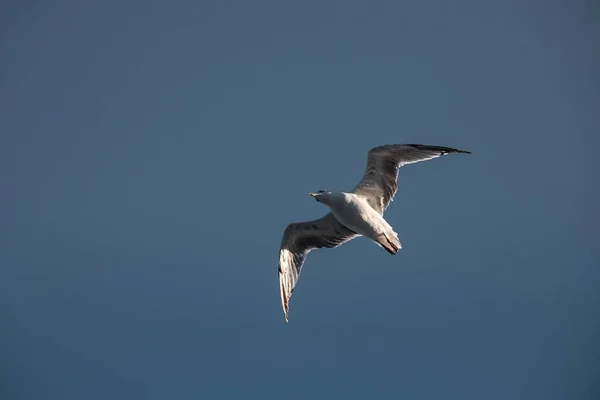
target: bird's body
354 214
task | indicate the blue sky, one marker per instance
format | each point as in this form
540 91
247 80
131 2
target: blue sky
152 153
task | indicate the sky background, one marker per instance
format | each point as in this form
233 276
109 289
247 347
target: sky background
152 153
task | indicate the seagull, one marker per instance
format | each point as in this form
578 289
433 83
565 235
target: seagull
353 214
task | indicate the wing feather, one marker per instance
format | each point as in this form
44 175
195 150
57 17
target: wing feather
298 240
379 183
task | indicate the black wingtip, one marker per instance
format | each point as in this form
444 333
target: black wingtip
442 149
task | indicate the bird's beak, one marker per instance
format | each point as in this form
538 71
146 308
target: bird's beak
313 194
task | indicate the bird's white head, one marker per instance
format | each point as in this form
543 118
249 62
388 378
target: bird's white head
322 196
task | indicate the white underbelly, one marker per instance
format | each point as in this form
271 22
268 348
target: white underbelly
364 221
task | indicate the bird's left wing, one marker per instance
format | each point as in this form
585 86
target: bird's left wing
379 182
298 240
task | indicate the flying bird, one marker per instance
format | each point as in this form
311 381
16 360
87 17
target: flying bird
353 214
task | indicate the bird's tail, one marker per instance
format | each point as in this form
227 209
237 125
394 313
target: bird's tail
389 241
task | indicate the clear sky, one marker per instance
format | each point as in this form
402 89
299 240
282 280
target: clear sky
152 153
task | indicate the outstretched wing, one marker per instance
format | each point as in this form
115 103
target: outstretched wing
379 184
298 240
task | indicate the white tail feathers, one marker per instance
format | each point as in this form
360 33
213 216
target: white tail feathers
389 241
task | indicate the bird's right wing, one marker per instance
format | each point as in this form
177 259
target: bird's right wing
298 240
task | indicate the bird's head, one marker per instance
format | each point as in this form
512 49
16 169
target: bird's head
321 196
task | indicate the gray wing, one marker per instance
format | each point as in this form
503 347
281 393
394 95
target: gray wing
298 240
379 184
